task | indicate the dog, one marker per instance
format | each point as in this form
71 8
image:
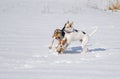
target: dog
72 34
58 35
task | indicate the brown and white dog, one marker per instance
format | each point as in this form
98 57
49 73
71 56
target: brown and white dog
72 34
58 35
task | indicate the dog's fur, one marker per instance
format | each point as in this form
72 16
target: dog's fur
59 48
72 34
58 35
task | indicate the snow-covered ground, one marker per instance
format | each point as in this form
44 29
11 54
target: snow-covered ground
26 28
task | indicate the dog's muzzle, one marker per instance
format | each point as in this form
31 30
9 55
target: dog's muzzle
59 49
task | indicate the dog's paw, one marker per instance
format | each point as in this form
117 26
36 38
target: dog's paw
50 47
85 51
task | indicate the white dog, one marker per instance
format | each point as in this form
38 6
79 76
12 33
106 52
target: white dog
72 34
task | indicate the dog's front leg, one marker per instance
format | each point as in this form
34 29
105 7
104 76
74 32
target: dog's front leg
65 46
58 44
84 49
50 47
84 45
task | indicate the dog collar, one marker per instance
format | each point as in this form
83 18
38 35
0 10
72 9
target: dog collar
68 31
74 30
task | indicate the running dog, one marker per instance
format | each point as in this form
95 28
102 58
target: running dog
58 35
72 34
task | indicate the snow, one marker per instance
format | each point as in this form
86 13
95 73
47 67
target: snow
26 28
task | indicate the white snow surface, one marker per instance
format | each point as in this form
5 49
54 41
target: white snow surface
26 28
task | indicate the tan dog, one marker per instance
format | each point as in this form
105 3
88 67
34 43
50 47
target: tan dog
58 35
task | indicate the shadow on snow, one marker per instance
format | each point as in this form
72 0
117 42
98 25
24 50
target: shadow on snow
76 50
97 50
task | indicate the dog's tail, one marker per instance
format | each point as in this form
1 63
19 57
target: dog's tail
94 31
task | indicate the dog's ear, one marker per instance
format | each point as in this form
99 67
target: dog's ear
71 23
67 21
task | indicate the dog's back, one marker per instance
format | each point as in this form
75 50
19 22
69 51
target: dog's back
58 34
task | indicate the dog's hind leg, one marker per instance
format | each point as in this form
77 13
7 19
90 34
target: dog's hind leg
84 45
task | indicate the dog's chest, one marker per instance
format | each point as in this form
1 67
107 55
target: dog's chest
74 36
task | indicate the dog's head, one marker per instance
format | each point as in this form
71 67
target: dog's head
57 34
68 27
60 48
